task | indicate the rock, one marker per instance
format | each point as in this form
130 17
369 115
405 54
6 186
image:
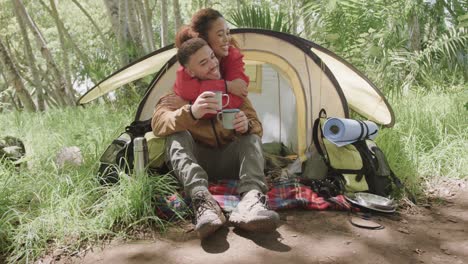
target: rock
69 156
403 230
403 221
11 149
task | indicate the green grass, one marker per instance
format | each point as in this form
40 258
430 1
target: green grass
43 207
429 139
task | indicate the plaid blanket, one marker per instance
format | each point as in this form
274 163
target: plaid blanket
282 195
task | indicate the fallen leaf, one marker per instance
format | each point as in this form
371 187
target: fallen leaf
403 221
452 220
419 251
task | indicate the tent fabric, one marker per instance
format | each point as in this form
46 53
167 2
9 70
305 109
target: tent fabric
309 75
144 67
360 93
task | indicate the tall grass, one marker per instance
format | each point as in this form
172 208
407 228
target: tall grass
42 206
430 137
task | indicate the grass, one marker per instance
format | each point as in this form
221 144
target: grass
429 139
44 207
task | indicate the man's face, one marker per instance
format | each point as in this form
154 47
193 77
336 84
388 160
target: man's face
203 65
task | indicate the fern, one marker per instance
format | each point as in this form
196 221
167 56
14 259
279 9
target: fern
438 54
260 17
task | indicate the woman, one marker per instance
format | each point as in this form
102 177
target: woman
211 26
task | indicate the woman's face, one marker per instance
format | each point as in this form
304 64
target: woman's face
219 37
203 64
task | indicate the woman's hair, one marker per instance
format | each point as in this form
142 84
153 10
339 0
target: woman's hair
188 48
199 26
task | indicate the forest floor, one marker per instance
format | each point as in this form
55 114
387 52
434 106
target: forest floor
435 231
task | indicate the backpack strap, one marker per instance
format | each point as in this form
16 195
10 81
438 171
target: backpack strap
315 132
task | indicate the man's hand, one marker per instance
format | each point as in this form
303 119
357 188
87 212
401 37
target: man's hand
205 104
241 123
237 87
173 102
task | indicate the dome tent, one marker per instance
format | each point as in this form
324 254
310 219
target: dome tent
292 79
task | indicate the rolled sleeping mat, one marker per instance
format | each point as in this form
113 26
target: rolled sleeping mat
342 131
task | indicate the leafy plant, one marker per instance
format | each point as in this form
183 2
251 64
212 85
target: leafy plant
260 17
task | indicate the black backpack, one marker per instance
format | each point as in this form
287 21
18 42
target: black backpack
119 154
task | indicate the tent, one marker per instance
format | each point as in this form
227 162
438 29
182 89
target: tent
292 79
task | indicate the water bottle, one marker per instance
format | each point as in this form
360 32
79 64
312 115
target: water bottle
140 154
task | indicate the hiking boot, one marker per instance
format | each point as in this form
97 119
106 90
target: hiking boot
252 213
208 214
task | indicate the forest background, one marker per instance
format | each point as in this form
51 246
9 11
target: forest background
51 52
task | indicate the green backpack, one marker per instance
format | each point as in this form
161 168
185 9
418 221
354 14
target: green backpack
359 167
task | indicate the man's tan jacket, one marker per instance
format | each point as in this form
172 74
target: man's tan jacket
210 132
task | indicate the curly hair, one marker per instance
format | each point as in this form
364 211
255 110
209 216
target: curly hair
199 26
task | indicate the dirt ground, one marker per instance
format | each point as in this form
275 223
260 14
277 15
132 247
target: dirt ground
433 232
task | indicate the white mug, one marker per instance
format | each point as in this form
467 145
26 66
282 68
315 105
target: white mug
219 97
227 117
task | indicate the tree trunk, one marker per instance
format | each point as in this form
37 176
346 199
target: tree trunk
414 32
106 42
294 16
63 44
31 59
114 11
177 16
14 78
146 27
164 24
134 27
41 43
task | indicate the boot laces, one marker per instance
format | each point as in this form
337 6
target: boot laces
260 202
201 204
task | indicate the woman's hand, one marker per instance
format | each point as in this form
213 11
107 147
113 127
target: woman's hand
241 123
173 102
237 87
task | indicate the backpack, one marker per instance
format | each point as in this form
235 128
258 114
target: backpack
119 154
357 167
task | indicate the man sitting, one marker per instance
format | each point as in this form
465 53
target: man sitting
201 149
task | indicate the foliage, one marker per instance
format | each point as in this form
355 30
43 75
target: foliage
259 17
42 206
397 43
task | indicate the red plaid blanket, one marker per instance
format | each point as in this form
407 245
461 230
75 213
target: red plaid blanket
282 195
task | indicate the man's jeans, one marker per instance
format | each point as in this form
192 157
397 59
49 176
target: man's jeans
194 164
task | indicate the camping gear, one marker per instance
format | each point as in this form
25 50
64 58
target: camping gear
362 165
370 204
219 98
343 131
363 221
291 79
119 154
140 154
227 116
